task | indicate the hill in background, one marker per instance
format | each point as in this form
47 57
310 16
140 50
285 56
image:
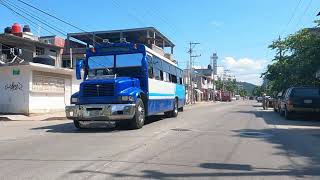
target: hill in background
247 86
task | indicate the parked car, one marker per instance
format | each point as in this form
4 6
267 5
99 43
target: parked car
259 99
277 101
251 98
300 100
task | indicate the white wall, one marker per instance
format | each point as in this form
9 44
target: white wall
18 96
46 99
14 90
42 101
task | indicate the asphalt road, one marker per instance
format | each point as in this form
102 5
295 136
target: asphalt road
234 140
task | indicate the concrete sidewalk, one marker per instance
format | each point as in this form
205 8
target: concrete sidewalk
35 117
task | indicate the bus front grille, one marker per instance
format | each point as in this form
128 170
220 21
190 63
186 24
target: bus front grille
97 90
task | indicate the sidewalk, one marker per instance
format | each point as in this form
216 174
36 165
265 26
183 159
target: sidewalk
35 117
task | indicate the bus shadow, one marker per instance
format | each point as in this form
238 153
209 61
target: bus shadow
109 128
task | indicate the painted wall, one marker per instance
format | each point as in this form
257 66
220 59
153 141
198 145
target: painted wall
49 92
43 99
14 95
36 89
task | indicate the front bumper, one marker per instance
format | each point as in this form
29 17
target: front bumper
100 112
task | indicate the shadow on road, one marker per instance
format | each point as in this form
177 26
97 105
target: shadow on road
69 127
155 174
296 139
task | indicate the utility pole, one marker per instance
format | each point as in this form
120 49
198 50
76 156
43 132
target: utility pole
191 63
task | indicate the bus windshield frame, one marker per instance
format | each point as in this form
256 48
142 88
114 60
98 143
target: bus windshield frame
123 65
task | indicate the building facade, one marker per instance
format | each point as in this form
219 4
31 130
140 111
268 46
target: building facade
31 74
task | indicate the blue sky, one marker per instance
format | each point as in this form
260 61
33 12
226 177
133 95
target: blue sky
238 30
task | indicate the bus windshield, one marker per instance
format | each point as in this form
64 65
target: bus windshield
125 65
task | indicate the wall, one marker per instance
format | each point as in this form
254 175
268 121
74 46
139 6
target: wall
14 95
49 91
36 89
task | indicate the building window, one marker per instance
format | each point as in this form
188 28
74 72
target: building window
66 63
39 51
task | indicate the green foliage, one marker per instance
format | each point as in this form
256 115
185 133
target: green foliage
258 91
296 61
229 85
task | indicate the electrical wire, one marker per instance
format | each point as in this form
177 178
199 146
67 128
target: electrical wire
291 18
304 12
59 19
62 32
21 15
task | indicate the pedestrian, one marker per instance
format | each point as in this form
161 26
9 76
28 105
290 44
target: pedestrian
265 102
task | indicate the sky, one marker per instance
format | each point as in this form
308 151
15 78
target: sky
239 31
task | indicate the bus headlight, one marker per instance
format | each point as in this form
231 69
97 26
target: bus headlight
127 98
74 100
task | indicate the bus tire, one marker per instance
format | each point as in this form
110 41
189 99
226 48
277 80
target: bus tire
137 121
174 112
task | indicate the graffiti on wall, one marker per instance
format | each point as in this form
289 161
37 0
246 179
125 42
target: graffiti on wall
13 86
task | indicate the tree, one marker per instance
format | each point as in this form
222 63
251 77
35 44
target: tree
296 61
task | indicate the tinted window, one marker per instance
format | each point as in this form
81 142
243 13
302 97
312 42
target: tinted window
157 68
129 60
98 62
306 92
150 67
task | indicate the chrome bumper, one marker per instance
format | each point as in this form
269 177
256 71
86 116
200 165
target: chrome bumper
100 112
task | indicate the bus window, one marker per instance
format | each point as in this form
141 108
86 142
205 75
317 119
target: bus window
150 67
166 77
173 78
161 75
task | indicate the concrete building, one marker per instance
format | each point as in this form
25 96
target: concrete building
77 43
31 74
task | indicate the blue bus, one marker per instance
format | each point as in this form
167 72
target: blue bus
125 82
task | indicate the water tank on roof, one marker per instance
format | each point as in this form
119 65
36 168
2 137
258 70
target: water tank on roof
16 28
7 30
26 28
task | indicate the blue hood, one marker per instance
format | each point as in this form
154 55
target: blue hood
105 91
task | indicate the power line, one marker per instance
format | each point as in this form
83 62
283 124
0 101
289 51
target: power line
59 19
62 32
304 12
48 14
291 18
21 15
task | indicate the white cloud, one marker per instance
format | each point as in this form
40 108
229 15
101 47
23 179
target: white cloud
245 69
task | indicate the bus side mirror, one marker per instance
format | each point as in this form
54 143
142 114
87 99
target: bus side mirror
79 67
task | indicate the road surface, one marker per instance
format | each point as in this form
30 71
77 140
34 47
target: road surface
236 140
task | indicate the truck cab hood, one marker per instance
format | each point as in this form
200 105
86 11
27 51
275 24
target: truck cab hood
109 90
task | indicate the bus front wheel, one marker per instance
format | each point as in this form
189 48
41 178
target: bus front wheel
138 120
